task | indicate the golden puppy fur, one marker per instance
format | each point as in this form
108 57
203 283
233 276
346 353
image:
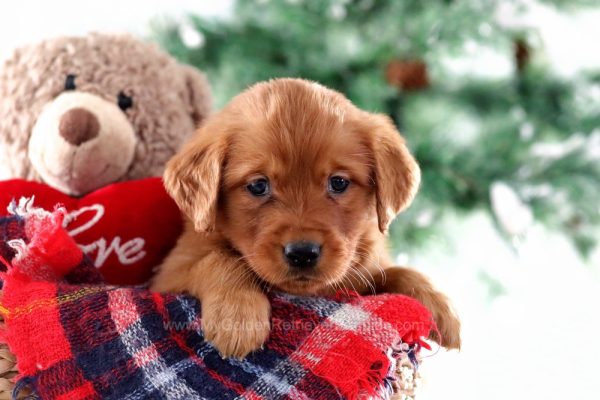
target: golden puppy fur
291 136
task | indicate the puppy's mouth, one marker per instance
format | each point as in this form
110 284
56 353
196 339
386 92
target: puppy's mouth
301 284
302 278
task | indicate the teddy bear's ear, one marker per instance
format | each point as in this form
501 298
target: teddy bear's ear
16 112
198 94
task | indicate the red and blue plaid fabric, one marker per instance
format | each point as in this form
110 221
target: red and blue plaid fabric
75 338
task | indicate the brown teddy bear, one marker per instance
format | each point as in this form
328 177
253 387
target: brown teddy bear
78 113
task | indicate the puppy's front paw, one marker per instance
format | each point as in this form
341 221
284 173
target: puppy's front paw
238 324
448 324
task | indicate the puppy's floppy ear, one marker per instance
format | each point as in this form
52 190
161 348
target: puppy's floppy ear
192 177
397 174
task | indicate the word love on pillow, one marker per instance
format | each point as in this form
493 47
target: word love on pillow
125 228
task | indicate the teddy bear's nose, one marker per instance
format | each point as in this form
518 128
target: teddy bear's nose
78 125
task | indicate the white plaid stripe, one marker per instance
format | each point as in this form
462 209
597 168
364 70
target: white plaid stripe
279 382
148 387
349 317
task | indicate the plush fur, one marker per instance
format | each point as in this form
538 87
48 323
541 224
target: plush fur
40 140
297 134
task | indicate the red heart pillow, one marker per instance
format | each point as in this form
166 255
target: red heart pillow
125 228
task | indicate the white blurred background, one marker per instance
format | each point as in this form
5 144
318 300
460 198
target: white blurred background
537 337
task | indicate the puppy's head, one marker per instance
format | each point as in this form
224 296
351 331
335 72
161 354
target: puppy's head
292 175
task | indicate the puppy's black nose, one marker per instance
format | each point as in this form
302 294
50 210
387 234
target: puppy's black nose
302 254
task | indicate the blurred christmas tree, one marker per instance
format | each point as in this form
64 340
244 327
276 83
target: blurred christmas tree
524 146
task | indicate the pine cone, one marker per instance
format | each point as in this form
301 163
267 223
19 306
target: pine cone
408 75
522 54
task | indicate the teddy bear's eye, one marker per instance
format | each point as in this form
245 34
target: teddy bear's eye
70 82
124 101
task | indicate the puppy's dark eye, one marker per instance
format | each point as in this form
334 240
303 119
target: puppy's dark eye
259 187
338 184
70 82
124 101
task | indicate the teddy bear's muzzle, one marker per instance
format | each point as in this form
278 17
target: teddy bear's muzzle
81 142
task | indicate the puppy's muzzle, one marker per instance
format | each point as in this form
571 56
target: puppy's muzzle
302 255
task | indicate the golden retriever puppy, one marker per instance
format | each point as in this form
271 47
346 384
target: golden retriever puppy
290 187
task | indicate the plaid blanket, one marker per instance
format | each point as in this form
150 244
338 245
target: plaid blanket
76 338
